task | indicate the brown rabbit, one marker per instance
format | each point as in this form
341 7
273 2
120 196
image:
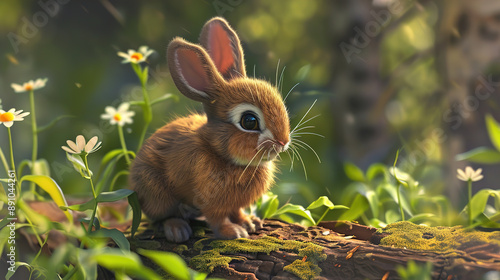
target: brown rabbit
218 162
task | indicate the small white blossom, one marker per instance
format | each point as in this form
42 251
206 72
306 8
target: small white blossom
81 147
8 118
133 56
469 174
120 116
29 86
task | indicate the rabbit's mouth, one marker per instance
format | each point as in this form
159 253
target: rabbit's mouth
272 148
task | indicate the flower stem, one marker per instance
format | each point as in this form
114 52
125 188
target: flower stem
148 114
4 161
400 204
34 131
323 216
124 146
469 183
92 217
12 164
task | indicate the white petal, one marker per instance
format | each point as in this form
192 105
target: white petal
67 149
80 143
122 54
17 88
73 146
461 175
469 171
96 147
13 111
123 107
90 145
477 178
23 115
106 116
8 124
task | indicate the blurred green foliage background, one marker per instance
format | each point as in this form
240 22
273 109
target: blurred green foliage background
417 75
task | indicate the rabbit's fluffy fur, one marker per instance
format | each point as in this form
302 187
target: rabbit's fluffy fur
211 164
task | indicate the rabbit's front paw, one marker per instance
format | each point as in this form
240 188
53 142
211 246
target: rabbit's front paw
231 231
251 223
177 230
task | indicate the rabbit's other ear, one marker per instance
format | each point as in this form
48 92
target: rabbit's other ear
192 70
224 47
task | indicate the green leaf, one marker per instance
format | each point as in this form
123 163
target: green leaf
493 131
114 234
50 186
133 201
297 210
10 273
163 98
303 73
78 164
123 261
480 199
114 195
170 262
322 201
80 207
419 218
144 77
353 172
480 155
52 123
269 205
357 208
374 170
137 103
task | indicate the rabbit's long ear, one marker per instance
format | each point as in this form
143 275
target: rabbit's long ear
224 47
192 70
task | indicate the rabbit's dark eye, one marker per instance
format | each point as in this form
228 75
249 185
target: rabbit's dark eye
249 121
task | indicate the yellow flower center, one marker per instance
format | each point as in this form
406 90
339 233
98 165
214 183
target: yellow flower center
6 117
136 56
28 87
117 117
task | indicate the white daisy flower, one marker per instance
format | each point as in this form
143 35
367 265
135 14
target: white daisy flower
469 174
29 86
133 56
8 118
81 147
119 116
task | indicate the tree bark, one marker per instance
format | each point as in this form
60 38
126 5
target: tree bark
352 253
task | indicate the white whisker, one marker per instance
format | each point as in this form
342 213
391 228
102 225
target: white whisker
305 127
304 115
300 141
299 125
249 163
309 133
296 152
277 70
255 170
290 91
280 82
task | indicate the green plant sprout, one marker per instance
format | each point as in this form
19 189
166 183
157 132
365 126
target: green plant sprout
267 207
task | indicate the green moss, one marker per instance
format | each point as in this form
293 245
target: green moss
212 258
208 260
304 270
199 232
180 248
439 239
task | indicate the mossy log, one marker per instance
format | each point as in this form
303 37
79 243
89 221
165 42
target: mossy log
347 251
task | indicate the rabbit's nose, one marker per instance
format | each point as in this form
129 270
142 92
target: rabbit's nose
284 146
